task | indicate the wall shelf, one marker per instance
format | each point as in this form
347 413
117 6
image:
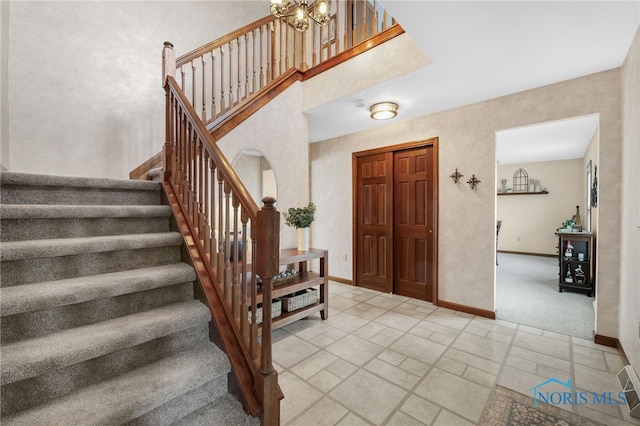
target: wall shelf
523 193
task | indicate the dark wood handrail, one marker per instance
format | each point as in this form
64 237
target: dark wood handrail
229 174
225 39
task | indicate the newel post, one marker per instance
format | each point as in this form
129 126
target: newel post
168 62
267 266
168 68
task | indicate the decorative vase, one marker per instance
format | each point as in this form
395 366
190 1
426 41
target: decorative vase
303 239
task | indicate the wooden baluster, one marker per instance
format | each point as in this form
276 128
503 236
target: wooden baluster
385 17
195 186
194 180
213 86
235 252
201 191
239 78
363 25
261 57
321 31
183 160
267 265
193 83
315 48
275 51
227 243
176 145
204 90
253 340
221 262
303 64
222 103
180 121
182 138
374 21
244 283
282 47
189 178
254 87
246 66
336 28
286 49
190 164
212 218
183 78
346 28
231 101
205 204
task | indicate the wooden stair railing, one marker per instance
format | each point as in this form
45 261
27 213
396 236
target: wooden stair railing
231 242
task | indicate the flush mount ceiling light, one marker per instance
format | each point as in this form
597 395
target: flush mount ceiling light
320 13
383 110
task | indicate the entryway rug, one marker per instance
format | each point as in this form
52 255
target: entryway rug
506 407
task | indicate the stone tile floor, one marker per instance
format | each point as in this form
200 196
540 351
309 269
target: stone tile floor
385 359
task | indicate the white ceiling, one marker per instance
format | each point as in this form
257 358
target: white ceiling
558 140
482 50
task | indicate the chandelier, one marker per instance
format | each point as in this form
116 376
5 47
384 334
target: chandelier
319 13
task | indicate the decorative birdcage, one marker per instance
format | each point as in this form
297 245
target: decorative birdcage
520 181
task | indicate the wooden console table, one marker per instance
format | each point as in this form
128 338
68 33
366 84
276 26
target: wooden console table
304 279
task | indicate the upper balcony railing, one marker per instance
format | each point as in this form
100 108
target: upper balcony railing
228 71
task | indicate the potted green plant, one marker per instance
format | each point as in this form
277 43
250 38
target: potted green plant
301 218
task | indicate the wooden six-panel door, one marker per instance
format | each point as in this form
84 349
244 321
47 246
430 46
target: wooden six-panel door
412 217
374 222
395 212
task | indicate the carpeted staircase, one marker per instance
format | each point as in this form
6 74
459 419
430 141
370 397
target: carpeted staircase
99 322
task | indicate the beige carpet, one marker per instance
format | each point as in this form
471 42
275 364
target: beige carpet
506 407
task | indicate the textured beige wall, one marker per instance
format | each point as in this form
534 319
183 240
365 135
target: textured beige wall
529 221
630 232
401 55
248 169
467 218
284 143
85 78
4 84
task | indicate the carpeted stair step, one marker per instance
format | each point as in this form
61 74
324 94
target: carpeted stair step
34 310
56 383
132 394
24 188
26 262
99 324
185 404
33 357
224 411
20 222
46 295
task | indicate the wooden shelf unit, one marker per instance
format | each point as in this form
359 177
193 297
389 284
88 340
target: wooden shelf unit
303 280
582 242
